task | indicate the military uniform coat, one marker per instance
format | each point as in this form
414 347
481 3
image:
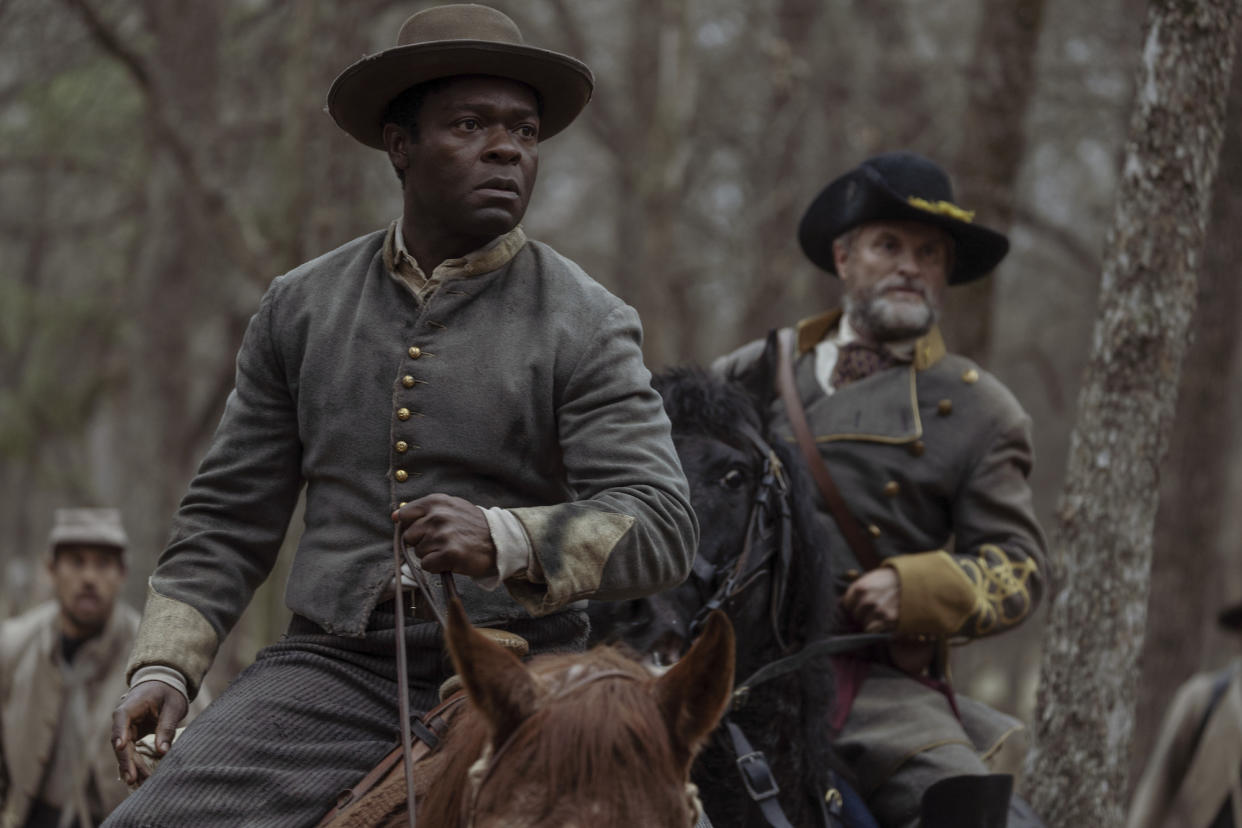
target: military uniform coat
521 387
931 457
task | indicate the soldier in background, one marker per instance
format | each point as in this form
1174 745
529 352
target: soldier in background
934 531
62 668
1194 776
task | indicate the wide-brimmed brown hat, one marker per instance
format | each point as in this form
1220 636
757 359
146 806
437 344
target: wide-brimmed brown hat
1231 618
902 186
461 39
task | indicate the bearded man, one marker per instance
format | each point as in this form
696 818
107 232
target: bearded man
62 665
930 455
444 375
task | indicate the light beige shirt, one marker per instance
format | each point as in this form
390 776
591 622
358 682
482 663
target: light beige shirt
491 256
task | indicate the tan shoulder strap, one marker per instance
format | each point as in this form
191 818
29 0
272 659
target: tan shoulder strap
859 542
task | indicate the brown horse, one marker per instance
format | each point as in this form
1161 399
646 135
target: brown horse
592 739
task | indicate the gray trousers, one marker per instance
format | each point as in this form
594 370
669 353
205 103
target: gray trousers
308 719
902 736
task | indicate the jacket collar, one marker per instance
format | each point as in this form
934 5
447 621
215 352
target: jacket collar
928 350
881 409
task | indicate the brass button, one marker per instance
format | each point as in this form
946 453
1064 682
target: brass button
874 530
945 407
402 503
970 376
401 446
852 574
402 475
415 352
403 413
891 488
407 381
917 448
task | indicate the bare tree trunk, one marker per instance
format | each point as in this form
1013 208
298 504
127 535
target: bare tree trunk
1001 79
1194 483
1103 563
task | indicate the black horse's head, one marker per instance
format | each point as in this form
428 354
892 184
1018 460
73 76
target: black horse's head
757 555
762 558
723 469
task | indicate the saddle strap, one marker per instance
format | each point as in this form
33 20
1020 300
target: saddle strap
757 777
430 729
859 542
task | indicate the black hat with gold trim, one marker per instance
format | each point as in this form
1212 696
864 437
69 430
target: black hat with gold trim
899 186
1231 618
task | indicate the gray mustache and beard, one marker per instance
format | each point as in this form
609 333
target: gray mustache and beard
870 311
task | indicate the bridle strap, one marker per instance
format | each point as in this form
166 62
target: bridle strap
746 569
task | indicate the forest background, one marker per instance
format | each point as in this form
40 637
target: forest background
162 160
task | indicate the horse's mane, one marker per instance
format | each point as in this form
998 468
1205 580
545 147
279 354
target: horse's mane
607 737
700 402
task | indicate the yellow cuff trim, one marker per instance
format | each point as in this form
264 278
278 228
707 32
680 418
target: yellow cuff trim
571 545
936 597
174 635
1003 589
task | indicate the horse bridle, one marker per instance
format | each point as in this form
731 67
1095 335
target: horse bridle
770 513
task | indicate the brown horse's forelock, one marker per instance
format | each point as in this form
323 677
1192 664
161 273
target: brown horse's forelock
600 752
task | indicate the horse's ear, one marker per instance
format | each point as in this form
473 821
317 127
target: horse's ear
694 694
497 682
759 379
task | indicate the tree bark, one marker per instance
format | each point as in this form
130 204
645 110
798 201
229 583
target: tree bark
1001 79
1194 484
1102 565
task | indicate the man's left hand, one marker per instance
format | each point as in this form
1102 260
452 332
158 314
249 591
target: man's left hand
448 534
874 600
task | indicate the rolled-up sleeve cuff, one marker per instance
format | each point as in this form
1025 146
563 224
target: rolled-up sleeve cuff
571 545
160 673
513 549
175 635
936 596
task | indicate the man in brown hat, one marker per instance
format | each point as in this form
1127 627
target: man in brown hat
62 666
1194 775
930 454
445 375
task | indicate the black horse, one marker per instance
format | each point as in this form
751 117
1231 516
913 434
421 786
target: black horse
760 558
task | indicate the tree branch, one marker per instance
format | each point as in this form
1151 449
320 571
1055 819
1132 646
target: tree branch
601 118
210 200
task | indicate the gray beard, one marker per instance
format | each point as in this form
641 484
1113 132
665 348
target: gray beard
886 321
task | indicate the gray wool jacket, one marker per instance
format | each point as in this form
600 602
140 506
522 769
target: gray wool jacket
932 458
522 388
